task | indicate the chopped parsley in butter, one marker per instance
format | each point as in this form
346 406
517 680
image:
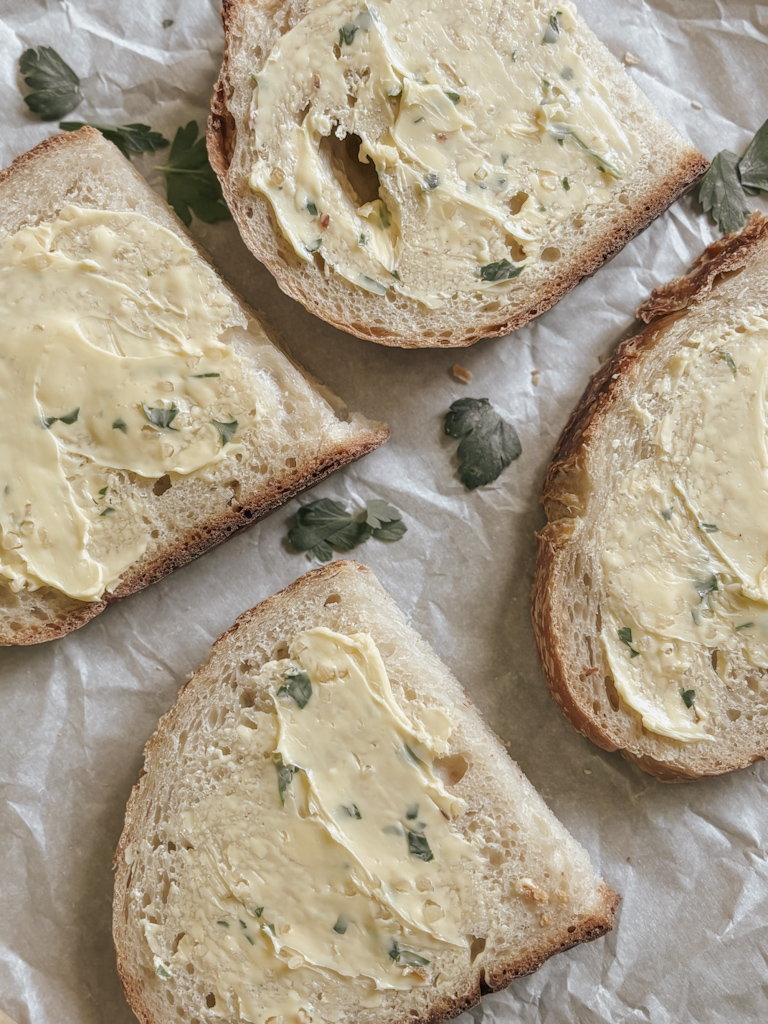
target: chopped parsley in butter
480 130
114 362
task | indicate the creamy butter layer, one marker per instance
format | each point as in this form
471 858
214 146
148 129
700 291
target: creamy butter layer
685 540
485 127
327 848
113 363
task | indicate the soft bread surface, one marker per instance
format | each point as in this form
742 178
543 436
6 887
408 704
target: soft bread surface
613 429
573 249
540 893
185 515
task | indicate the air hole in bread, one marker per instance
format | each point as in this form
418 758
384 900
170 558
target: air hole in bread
358 180
247 698
496 858
713 659
517 202
516 251
162 485
291 463
281 651
300 115
333 599
725 276
613 694
154 534
753 683
491 307
40 614
386 650
476 947
571 928
452 768
597 707
623 198
210 1000
551 254
578 222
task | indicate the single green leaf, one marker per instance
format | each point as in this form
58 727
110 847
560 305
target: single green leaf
285 773
552 31
55 86
488 443
130 139
721 194
501 271
323 525
298 686
625 635
160 418
341 925
386 522
191 185
419 847
689 696
226 430
753 166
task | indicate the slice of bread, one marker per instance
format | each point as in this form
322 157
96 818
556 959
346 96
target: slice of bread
429 173
196 869
300 440
648 603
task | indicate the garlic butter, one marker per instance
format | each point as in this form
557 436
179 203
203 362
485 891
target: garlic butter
114 362
685 537
326 849
485 126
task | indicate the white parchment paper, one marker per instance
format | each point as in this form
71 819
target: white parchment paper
691 941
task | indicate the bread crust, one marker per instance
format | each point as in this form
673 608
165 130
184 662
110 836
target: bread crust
261 232
566 495
329 578
235 515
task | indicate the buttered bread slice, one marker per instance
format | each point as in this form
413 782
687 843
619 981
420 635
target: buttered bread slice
651 595
326 831
144 412
426 173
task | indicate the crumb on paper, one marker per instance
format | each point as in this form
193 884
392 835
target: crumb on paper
461 373
535 376
545 920
696 105
601 358
631 59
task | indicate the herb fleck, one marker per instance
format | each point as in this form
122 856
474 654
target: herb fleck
259 911
454 97
744 625
120 425
352 810
160 418
298 686
431 181
566 185
707 586
419 847
167 22
285 773
162 972
412 812
69 418
55 86
224 924
729 361
689 696
107 512
666 514
503 270
103 491
406 957
625 635
200 376
488 443
708 528
311 209
342 923
552 31
347 33
226 430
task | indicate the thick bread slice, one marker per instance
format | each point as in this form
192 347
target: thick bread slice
615 429
541 895
571 249
310 440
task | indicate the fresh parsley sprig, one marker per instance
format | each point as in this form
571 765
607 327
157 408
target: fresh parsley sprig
191 185
55 86
488 443
723 189
130 139
325 525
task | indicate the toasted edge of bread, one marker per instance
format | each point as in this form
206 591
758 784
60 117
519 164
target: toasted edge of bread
565 498
67 613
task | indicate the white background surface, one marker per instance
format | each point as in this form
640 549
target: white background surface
691 942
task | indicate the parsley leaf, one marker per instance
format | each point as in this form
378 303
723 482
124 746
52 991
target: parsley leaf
753 166
226 430
191 185
297 685
721 194
285 773
689 696
161 418
55 86
501 271
419 847
325 524
130 139
625 635
488 443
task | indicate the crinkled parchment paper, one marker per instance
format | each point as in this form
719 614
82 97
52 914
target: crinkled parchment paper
691 942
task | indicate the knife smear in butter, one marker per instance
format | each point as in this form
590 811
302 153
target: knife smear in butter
685 537
430 150
327 847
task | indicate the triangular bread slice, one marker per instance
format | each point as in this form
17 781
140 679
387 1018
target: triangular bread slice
183 516
648 605
495 96
191 907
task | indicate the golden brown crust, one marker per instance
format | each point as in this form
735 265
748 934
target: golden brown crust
221 138
565 495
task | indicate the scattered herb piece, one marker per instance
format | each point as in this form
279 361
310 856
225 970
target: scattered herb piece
107 512
753 166
564 131
167 22
419 847
120 425
347 33
729 361
625 635
707 586
363 239
199 376
259 911
55 86
69 418
243 924
160 418
708 528
721 194
666 514
566 185
298 686
412 812
503 270
130 139
226 430
162 972
325 524
341 925
413 758
311 209
352 810
247 935
374 286
431 181
689 696
744 625
270 926
488 443
395 274
191 185
224 924
103 491
454 97
406 957
314 245
552 31
695 616
285 773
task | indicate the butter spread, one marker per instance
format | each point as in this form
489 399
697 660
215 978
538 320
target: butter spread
113 363
685 537
327 849
485 126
